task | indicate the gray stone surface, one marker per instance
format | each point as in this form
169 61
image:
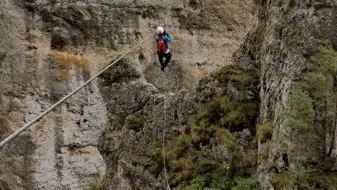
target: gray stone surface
38 65
121 144
143 115
281 45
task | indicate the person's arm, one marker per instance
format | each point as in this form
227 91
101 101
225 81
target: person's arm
156 38
168 38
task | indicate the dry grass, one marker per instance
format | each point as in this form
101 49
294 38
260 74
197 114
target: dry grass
79 151
63 59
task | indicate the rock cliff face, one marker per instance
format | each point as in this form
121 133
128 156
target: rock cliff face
141 118
50 47
271 114
292 50
292 45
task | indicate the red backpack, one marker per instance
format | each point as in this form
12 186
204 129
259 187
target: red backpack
161 47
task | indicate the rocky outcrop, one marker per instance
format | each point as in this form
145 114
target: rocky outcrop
53 152
205 33
292 50
48 48
140 118
285 46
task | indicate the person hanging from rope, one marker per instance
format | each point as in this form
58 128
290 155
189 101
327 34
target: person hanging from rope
163 51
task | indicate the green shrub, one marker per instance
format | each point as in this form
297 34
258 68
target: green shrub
314 90
153 160
212 126
284 179
237 75
207 154
245 184
309 105
217 126
304 179
299 113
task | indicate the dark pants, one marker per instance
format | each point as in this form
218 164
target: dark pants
167 59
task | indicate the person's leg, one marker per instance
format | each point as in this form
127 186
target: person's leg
168 58
160 57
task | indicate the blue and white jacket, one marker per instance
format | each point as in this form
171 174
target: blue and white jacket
167 38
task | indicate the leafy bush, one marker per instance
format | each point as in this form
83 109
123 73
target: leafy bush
237 75
245 184
315 90
309 105
208 154
193 157
304 179
300 113
216 125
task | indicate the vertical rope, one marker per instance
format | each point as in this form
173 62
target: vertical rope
165 119
164 136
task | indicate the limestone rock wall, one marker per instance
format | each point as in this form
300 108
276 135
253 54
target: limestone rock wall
49 47
282 45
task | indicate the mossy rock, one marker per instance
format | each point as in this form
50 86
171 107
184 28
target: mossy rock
264 131
95 185
152 161
237 75
122 71
191 158
214 124
305 179
134 122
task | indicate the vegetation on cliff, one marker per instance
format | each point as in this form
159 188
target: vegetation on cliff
217 149
309 114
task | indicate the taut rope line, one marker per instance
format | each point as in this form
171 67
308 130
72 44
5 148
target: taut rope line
26 126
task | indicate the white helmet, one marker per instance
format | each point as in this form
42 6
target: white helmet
160 30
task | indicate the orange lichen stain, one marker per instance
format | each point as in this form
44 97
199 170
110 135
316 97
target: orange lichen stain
63 59
39 125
